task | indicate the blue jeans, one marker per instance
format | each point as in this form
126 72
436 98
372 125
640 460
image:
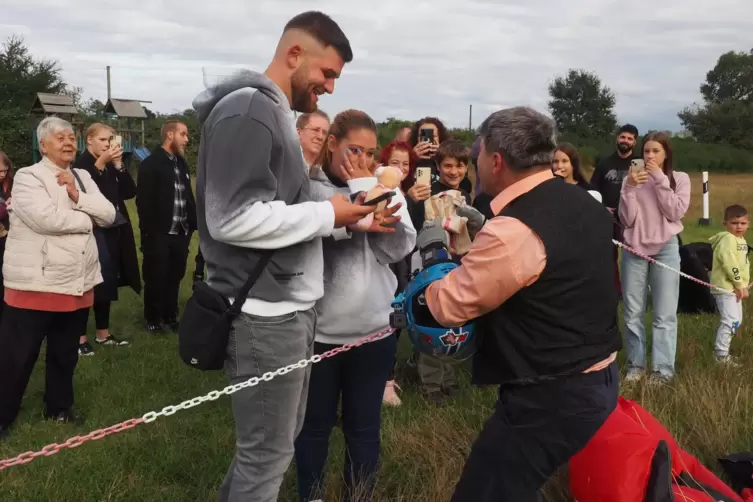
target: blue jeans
359 376
637 275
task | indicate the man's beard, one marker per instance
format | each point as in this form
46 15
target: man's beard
623 148
177 149
300 95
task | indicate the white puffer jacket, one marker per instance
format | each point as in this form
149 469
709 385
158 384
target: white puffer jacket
50 246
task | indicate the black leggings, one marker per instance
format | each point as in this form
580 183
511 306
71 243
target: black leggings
101 315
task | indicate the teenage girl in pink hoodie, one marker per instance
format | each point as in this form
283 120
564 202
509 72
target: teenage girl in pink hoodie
652 204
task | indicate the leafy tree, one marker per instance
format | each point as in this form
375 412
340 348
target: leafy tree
21 77
726 117
582 106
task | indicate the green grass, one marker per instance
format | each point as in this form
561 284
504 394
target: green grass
184 457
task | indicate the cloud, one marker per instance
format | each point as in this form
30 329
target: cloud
411 58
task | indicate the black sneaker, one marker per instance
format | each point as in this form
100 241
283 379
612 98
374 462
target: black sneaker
64 417
154 329
436 397
111 340
85 349
172 325
451 391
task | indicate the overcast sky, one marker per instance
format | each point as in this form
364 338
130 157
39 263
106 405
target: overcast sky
411 58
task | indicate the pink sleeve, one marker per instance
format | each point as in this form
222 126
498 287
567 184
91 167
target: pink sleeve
673 203
628 211
505 257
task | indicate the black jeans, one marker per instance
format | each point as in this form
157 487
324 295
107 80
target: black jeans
163 268
533 431
21 334
359 376
101 315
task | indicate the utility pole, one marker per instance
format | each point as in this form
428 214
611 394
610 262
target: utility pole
470 118
108 83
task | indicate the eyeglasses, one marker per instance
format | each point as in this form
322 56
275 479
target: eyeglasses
317 130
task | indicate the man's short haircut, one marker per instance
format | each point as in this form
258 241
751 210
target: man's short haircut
324 30
734 211
453 149
629 128
523 137
168 127
304 119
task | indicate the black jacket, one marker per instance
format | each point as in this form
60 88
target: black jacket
155 193
117 187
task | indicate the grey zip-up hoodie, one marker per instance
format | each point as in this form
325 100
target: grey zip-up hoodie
250 169
358 282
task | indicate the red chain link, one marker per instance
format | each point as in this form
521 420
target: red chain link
76 441
73 442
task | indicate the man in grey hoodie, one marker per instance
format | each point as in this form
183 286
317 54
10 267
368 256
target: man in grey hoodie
253 194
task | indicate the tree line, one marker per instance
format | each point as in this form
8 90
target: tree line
718 133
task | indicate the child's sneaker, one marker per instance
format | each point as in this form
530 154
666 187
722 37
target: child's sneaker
658 379
390 397
728 360
633 375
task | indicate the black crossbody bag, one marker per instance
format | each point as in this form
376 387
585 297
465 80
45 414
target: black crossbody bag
207 319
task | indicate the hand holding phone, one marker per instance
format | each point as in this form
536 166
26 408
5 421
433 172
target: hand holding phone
637 175
426 135
117 141
423 176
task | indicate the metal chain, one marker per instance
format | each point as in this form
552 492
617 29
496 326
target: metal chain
51 449
667 267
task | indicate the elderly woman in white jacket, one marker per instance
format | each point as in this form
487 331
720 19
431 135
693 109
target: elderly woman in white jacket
51 267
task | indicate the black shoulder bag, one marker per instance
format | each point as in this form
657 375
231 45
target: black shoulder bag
207 319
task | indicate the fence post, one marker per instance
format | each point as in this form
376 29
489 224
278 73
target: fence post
705 220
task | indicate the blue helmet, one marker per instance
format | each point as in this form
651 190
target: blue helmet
428 336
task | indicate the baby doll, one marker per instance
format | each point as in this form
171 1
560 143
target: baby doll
388 178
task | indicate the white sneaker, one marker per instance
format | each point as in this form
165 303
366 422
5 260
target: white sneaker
390 397
728 360
633 375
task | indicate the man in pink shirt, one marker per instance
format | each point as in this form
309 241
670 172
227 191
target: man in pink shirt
539 282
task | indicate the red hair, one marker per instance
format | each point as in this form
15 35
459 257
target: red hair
403 146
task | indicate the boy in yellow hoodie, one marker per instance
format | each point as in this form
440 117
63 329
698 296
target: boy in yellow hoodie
730 271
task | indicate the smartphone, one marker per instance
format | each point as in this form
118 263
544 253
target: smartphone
423 176
379 198
637 165
117 140
426 134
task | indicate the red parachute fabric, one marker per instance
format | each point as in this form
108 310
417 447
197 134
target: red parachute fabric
616 465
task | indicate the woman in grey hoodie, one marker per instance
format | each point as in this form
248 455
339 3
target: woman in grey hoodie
358 291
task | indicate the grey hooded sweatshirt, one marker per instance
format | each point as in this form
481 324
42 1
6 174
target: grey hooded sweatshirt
250 169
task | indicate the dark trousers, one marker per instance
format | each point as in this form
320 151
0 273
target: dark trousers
533 431
163 268
21 334
101 315
358 376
